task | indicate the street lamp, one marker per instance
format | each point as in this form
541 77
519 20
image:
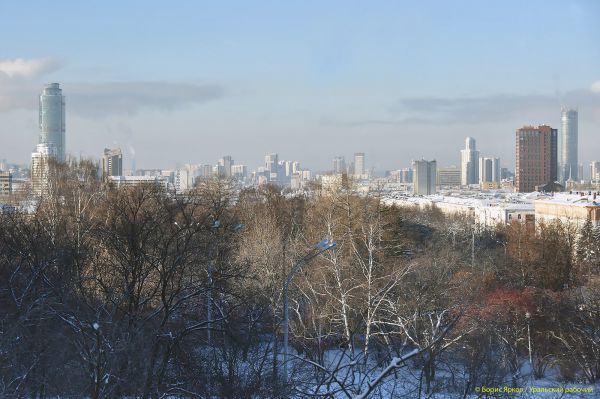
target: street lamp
317 250
528 317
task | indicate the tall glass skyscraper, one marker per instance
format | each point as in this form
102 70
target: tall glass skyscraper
469 158
569 159
52 119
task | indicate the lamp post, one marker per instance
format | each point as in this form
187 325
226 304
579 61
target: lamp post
528 317
318 249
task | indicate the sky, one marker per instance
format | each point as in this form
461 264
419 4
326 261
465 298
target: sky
187 82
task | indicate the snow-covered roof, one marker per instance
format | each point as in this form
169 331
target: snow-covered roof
575 198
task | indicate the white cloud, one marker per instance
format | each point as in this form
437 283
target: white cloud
595 87
27 68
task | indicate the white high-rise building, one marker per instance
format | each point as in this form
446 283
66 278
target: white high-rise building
424 177
489 170
181 180
40 168
569 132
359 165
595 172
272 167
295 167
469 159
52 120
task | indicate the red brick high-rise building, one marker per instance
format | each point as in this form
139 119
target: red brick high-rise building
537 157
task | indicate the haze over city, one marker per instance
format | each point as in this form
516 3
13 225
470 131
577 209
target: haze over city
396 80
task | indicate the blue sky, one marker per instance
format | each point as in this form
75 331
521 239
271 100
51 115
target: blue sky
182 81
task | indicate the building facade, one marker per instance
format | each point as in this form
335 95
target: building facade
339 165
569 145
41 160
595 172
424 177
489 171
449 177
570 209
52 119
226 162
469 158
536 157
5 183
239 171
359 165
112 162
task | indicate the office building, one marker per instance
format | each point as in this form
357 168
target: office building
595 172
271 162
52 119
569 158
359 165
239 171
449 177
40 168
272 167
5 183
406 175
536 157
204 171
127 181
226 162
424 177
112 162
469 158
295 167
339 165
489 170
219 170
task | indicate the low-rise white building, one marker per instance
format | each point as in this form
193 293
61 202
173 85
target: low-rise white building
573 208
121 181
487 211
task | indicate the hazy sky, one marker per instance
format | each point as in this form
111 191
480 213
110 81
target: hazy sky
190 81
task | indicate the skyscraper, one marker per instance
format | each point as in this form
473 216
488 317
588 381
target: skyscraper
595 171
226 162
489 170
40 168
469 158
52 119
112 163
272 167
359 164
536 157
271 162
569 160
339 165
424 177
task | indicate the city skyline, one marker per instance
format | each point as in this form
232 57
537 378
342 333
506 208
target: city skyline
245 82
